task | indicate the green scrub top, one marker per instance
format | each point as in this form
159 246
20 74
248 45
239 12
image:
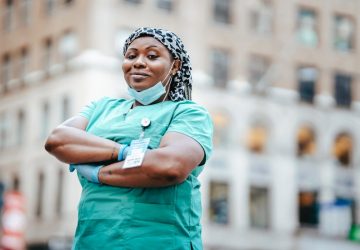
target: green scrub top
143 218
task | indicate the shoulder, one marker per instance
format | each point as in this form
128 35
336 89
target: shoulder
108 101
190 106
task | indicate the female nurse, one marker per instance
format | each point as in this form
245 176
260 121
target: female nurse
138 160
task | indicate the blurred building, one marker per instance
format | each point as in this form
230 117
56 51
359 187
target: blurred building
280 79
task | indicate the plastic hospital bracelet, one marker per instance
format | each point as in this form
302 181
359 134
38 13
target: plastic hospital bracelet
123 150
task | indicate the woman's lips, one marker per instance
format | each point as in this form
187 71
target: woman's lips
139 77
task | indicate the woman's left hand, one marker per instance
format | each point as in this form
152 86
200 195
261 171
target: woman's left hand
89 172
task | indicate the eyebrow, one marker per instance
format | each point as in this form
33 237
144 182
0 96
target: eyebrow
149 47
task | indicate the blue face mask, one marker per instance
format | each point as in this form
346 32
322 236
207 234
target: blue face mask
150 95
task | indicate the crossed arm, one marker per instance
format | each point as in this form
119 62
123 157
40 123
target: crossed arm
169 164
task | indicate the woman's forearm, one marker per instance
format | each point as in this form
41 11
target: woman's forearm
149 174
72 145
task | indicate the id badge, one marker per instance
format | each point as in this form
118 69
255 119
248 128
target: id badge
136 153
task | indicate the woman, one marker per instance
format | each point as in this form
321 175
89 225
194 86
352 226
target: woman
145 196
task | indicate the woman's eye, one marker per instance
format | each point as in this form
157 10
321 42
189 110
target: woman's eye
130 56
152 56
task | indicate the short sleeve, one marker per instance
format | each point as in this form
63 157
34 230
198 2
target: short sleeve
195 122
88 110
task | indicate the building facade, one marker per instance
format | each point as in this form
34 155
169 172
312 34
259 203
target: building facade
280 79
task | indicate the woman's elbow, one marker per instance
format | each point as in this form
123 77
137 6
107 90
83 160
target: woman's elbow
53 141
173 173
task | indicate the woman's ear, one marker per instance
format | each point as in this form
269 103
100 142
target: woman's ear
176 67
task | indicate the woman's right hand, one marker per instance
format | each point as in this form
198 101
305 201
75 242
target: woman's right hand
70 143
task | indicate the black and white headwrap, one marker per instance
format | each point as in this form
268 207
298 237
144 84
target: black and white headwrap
181 83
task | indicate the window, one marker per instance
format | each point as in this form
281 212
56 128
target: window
133 1
344 33
68 2
45 120
20 127
8 15
220 67
23 66
308 209
257 138
65 108
219 202
261 20
16 183
259 208
165 4
68 45
48 54
40 195
221 10
307 78
342 149
6 70
59 194
343 95
25 7
257 71
307 33
305 141
49 6
221 128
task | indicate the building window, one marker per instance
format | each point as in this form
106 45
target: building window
219 202
259 208
59 194
133 1
222 11
257 138
68 45
221 128
343 95
8 15
50 6
261 19
344 33
6 70
307 78
65 108
68 2
20 127
24 61
257 73
48 59
343 148
16 183
25 11
305 141
307 30
40 195
220 67
167 5
308 209
45 120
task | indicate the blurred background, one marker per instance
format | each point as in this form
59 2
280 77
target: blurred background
279 77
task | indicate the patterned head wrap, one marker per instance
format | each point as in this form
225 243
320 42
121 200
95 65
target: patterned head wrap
181 83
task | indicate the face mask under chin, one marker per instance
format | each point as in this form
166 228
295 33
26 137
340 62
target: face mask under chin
150 95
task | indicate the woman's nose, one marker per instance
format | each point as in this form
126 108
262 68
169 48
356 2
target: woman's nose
140 62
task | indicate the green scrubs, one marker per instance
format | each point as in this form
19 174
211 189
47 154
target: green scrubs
143 218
